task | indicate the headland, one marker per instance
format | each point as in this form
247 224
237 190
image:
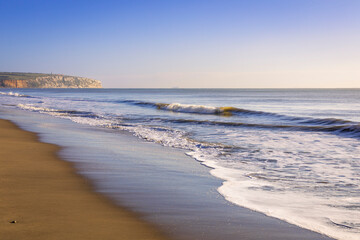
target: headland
42 80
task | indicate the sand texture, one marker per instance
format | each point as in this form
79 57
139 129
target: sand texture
48 200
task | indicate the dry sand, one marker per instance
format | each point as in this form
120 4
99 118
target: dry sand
50 201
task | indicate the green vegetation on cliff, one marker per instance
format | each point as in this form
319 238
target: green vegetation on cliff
21 75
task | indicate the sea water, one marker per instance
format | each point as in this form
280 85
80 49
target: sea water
291 154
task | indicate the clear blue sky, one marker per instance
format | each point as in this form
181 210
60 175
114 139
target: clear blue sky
170 43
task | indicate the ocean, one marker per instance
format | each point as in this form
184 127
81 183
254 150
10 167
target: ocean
292 154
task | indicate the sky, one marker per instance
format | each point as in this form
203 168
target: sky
186 44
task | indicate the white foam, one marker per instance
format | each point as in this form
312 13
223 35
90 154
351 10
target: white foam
12 94
34 108
298 201
77 119
304 210
186 108
162 135
240 171
91 121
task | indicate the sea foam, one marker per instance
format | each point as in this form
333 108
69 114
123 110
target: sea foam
299 172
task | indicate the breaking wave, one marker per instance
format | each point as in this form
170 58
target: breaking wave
57 112
233 111
200 109
15 94
351 128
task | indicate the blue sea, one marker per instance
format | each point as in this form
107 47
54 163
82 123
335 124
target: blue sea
292 154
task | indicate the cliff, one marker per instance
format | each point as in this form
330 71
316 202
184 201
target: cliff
40 80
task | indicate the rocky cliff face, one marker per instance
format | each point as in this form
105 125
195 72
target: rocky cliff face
13 83
50 81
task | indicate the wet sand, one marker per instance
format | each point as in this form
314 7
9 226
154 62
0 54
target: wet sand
48 200
161 186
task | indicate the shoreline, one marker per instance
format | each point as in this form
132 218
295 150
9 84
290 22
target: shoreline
49 200
179 197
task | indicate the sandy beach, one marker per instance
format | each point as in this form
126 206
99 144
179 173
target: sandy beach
48 200
61 180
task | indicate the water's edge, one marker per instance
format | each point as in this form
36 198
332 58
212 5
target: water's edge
241 222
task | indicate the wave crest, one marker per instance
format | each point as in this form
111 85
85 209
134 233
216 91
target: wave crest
201 109
13 94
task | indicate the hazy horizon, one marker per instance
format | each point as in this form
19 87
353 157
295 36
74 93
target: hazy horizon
186 44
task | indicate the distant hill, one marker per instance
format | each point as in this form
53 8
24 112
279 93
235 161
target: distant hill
41 80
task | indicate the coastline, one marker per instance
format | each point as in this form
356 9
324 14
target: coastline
161 186
48 200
